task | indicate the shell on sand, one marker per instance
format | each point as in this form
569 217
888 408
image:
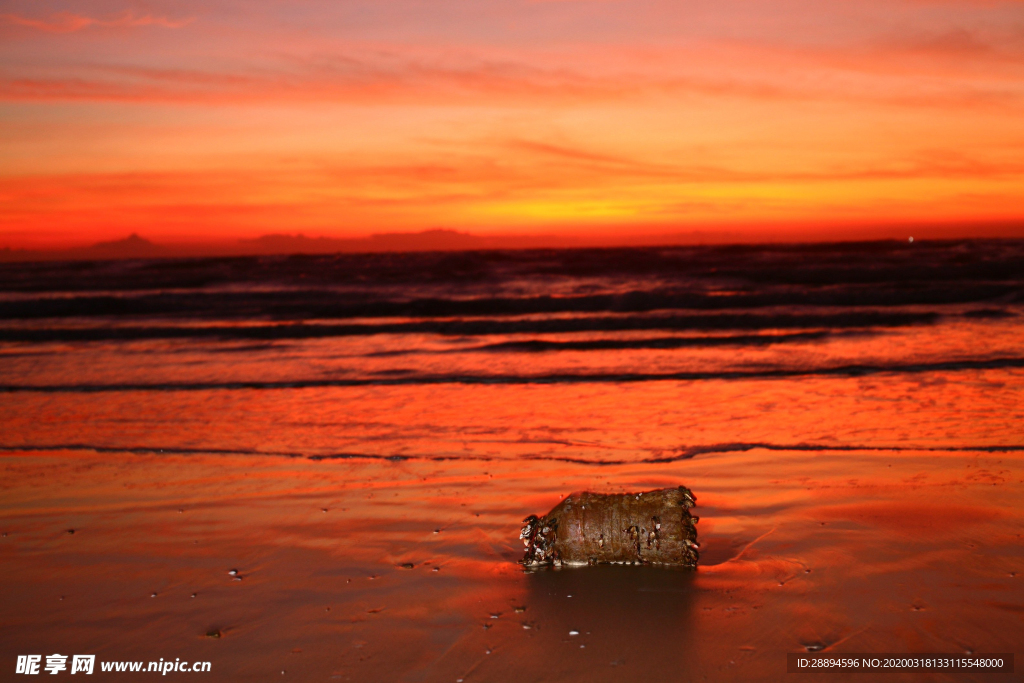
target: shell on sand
651 527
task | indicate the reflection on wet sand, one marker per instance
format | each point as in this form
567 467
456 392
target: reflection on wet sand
406 570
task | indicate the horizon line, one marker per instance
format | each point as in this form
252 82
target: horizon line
135 245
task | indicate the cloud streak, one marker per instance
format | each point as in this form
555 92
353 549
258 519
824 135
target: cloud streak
528 172
392 78
69 22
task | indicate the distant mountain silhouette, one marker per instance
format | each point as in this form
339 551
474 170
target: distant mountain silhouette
137 247
132 246
438 239
290 244
427 240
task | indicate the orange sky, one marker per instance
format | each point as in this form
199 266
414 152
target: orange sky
223 119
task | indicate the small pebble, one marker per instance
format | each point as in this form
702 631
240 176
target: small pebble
153 595
436 569
194 594
233 572
574 633
71 531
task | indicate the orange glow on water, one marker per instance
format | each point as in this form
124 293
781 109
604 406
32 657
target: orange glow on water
320 464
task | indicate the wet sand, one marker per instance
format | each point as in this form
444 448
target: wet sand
846 551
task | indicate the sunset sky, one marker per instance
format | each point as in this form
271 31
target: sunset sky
224 119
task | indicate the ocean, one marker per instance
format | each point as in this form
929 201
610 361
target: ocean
359 436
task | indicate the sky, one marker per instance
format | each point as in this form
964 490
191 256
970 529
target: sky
230 119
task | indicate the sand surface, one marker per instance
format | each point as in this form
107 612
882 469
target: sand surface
903 551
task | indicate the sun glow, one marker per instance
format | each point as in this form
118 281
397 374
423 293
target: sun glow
513 118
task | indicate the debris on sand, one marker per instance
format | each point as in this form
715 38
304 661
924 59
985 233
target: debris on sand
651 527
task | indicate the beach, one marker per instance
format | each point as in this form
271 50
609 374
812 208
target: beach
212 461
